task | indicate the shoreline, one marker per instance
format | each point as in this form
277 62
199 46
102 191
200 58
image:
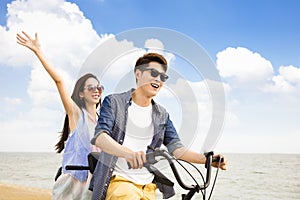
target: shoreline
18 192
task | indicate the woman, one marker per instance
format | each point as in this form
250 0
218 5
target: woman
80 121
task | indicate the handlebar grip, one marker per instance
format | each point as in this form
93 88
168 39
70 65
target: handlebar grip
217 159
77 167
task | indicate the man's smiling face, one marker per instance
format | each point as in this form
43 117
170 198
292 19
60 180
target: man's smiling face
149 84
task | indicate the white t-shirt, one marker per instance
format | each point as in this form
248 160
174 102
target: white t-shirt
139 134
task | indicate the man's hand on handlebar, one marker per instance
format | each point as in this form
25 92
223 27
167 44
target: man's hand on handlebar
220 158
136 160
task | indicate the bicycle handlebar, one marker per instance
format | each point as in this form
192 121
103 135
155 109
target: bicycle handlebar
209 159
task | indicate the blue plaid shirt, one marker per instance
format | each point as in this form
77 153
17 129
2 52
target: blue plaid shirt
112 120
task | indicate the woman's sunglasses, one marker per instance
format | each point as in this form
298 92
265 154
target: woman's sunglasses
91 88
154 73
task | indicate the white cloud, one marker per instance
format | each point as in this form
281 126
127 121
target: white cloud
258 99
154 44
12 101
56 22
244 69
243 66
291 74
286 82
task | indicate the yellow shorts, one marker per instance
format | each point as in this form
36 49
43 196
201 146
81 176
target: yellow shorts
121 188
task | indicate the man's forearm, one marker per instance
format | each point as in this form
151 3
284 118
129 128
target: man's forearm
190 156
110 146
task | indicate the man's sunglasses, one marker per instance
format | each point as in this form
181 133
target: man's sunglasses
154 73
91 88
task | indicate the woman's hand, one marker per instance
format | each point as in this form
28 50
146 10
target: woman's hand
27 41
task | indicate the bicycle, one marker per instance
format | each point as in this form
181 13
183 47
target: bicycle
152 158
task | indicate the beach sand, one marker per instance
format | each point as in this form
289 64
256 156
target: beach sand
17 192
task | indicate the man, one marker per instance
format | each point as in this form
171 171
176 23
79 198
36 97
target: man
130 122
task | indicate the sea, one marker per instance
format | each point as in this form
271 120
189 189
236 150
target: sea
249 176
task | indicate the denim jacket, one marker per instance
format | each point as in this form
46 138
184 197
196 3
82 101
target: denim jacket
112 120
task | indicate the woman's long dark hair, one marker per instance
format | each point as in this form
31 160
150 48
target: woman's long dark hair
79 86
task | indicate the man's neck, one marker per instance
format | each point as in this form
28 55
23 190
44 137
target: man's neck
140 99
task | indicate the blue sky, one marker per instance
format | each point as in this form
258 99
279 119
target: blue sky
254 44
266 26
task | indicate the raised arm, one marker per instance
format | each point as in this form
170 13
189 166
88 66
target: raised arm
34 45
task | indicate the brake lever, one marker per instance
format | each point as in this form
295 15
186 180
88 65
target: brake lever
151 158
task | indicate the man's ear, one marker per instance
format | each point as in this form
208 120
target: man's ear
138 74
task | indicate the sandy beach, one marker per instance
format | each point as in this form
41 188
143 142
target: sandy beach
18 192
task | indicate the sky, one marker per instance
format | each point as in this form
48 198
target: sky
252 46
